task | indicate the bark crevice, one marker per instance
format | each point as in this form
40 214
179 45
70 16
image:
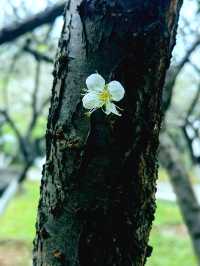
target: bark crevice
98 188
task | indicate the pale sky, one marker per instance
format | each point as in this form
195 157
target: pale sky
32 6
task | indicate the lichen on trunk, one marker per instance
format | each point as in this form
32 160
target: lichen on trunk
98 188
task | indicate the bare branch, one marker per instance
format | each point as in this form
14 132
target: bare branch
37 55
189 139
173 73
7 78
11 123
35 113
20 139
193 104
187 55
13 187
47 16
196 68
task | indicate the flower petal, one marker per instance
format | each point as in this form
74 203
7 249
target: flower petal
91 100
95 82
111 108
116 90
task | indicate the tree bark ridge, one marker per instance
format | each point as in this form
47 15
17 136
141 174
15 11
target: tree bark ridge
98 188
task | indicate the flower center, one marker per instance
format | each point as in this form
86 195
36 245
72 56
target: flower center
104 96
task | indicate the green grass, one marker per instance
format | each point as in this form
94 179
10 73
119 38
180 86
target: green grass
169 237
167 213
18 222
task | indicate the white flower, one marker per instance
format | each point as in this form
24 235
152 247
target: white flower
101 95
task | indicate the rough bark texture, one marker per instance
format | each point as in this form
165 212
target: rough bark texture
180 180
99 181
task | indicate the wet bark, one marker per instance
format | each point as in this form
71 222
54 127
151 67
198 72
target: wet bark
98 188
190 209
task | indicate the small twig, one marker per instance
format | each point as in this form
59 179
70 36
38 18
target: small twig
37 55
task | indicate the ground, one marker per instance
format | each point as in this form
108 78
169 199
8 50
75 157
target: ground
169 236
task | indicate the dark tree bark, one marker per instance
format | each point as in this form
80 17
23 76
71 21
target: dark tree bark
99 181
190 209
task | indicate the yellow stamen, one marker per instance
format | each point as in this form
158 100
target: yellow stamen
104 96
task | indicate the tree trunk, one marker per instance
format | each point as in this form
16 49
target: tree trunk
170 159
180 180
98 189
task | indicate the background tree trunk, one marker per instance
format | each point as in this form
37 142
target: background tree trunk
170 158
99 181
190 209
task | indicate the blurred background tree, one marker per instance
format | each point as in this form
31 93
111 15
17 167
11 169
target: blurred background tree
28 39
25 73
